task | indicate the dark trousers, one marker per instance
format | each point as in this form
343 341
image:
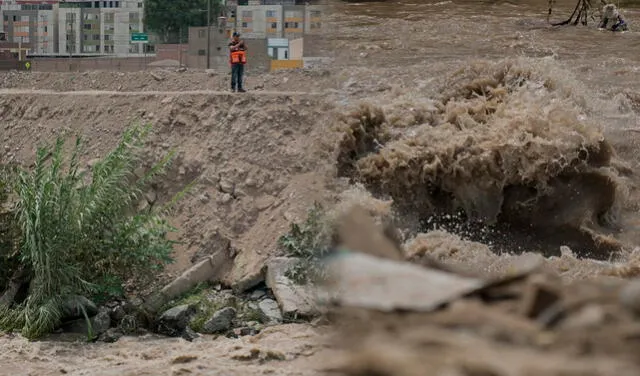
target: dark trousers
237 71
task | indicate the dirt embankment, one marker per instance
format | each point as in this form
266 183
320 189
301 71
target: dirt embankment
256 161
308 80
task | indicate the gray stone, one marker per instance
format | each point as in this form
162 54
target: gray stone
111 335
271 311
100 323
175 320
257 294
294 300
73 308
189 335
221 321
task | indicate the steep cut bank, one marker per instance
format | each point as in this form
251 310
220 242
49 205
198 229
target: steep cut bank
255 161
505 147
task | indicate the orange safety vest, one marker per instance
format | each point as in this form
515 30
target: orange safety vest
238 57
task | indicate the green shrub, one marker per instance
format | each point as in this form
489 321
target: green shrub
79 232
309 242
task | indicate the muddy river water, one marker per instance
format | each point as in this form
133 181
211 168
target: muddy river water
416 48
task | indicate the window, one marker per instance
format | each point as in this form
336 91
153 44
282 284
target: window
108 27
245 25
139 5
291 25
96 36
46 29
108 17
246 14
315 14
274 25
107 37
201 34
134 17
202 52
271 13
85 37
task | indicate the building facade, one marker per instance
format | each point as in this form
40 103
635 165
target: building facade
285 20
75 27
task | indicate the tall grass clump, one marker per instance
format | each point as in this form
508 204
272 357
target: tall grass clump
80 233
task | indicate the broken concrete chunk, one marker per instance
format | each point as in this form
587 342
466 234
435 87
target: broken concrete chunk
294 300
360 280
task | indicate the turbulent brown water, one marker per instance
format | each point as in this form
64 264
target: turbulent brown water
490 113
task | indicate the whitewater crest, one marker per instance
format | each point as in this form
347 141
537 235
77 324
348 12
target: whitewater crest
508 142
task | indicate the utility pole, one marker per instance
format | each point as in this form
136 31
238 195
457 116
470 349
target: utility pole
208 33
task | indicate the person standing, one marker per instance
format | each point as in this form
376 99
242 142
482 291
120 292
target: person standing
237 58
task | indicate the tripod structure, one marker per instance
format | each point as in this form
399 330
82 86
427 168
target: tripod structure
581 13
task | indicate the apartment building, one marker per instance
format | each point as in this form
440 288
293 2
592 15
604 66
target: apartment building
32 24
76 27
275 18
99 27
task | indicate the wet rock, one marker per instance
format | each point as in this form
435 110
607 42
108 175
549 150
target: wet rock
74 306
246 331
174 321
220 322
117 313
270 310
100 323
111 335
294 300
189 335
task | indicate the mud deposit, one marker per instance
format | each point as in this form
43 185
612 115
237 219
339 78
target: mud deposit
490 145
